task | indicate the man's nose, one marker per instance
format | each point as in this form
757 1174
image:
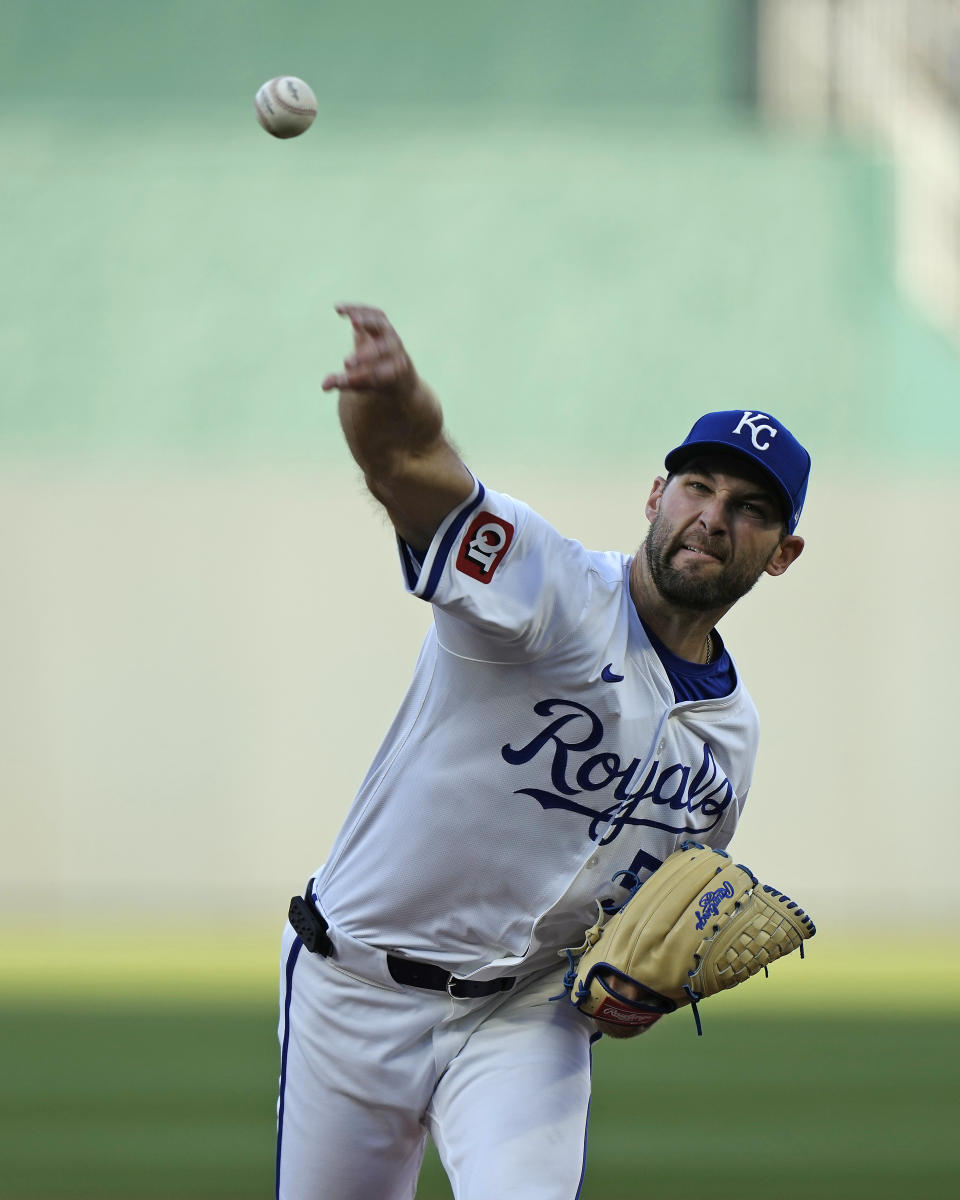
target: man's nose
715 515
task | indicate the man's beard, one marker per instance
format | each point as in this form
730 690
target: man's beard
720 590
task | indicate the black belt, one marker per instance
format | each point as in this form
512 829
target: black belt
426 975
311 928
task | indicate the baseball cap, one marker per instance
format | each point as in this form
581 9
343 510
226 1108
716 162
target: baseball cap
762 439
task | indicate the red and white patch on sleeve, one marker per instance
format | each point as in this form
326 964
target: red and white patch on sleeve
483 546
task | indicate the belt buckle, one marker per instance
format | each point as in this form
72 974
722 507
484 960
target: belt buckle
452 982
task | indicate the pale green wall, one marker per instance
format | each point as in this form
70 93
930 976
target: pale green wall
572 212
688 52
589 276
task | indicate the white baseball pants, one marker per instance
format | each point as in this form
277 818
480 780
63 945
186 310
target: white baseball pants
370 1066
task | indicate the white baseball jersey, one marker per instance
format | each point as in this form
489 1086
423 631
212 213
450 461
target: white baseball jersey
538 752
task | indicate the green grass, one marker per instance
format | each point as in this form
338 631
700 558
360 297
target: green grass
136 1101
824 1105
141 1100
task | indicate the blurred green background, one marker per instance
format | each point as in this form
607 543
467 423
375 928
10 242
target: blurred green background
554 201
587 234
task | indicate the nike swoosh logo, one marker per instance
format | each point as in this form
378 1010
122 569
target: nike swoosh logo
608 675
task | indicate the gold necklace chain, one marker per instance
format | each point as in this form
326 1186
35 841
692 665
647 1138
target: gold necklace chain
709 658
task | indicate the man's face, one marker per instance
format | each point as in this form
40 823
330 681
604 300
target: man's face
716 527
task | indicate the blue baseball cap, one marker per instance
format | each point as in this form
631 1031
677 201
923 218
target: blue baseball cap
760 438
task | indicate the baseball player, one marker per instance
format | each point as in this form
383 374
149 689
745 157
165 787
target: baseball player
572 718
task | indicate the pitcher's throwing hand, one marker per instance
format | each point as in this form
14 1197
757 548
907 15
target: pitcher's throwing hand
379 360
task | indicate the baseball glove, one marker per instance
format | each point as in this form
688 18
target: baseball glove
700 924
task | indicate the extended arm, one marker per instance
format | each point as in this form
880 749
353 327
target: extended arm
393 424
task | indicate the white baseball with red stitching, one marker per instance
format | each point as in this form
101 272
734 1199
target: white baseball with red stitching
285 106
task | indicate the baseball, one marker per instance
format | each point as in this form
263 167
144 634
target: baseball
286 106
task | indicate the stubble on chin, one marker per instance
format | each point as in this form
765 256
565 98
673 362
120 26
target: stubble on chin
688 591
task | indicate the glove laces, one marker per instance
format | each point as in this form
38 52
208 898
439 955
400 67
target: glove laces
569 977
695 997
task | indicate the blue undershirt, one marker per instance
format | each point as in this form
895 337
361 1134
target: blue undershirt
695 681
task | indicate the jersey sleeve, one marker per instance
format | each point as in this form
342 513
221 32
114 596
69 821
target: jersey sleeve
504 584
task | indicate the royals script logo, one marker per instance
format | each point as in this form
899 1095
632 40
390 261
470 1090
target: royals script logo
675 797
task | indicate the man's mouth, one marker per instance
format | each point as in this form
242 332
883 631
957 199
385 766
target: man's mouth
702 551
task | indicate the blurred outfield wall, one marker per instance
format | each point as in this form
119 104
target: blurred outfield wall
587 239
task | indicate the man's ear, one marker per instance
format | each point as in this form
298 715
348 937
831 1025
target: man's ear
653 501
790 549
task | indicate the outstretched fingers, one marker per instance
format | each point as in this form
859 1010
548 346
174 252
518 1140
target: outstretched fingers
364 316
379 359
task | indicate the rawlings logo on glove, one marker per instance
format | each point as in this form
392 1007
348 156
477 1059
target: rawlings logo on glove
699 925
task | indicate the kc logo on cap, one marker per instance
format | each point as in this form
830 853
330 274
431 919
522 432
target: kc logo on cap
759 437
750 419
